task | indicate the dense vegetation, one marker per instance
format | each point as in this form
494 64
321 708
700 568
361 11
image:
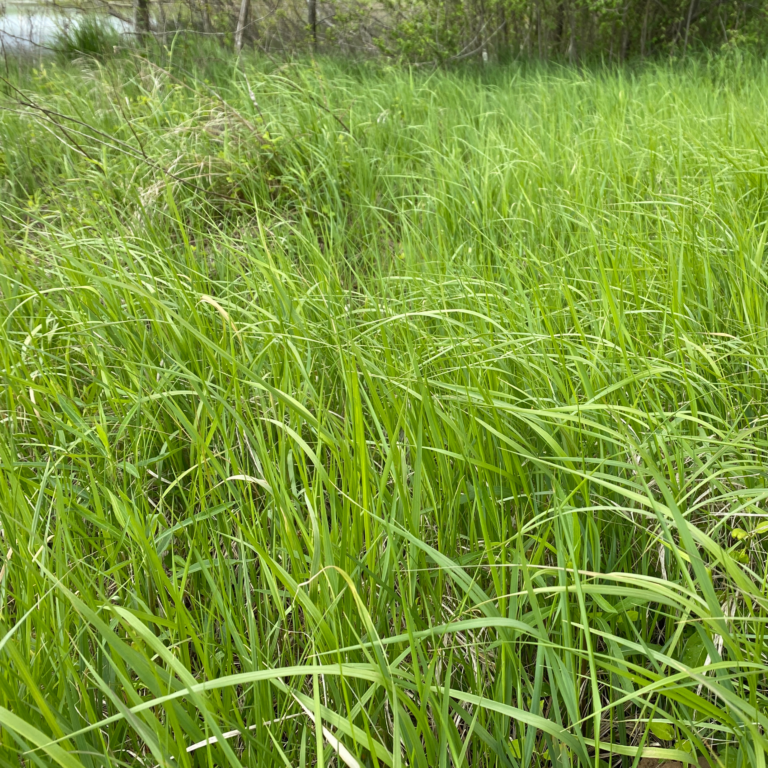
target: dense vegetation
352 416
448 30
426 32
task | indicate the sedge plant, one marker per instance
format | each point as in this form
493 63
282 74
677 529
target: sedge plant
357 416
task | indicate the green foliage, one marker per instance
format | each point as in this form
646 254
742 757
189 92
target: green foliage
357 416
441 32
87 36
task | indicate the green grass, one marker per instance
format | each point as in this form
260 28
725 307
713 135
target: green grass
88 36
426 408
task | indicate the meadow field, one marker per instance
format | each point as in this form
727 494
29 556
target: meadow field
354 415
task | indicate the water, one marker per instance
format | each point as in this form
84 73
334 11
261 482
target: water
29 26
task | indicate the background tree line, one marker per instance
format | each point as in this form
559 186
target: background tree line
442 31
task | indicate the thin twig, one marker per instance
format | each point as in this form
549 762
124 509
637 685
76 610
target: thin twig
112 143
64 130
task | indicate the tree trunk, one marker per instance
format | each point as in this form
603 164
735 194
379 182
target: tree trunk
644 31
625 34
529 32
141 18
559 26
691 9
242 20
163 23
503 44
312 22
539 30
613 37
207 27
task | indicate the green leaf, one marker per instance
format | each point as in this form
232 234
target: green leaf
695 651
39 739
661 730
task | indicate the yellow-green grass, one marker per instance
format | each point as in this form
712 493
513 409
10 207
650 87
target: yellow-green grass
382 418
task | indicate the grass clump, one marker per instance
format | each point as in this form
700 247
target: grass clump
354 417
88 35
